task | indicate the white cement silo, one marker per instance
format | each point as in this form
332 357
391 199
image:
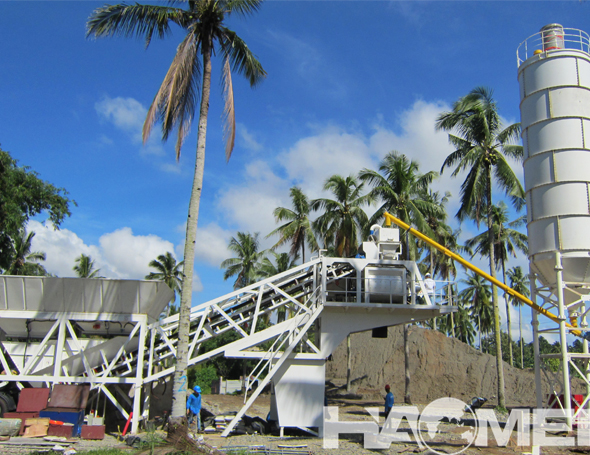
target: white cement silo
554 79
555 118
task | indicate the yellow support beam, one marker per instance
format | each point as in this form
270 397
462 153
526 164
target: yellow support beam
392 219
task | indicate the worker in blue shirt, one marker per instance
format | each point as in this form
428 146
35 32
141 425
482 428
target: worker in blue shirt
193 407
388 400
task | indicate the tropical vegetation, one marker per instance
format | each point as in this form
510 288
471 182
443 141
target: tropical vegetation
23 195
187 82
482 149
85 267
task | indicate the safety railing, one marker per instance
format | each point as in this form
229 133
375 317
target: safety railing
390 290
553 38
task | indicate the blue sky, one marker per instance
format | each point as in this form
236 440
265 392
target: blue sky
348 81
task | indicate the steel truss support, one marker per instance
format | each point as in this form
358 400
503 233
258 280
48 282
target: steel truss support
569 301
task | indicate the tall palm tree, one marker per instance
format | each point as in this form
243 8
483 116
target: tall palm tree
507 241
482 149
24 261
442 233
84 267
402 191
463 326
343 219
170 272
297 230
245 267
519 281
477 291
437 224
283 262
187 80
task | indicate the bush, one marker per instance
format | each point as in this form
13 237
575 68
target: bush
202 376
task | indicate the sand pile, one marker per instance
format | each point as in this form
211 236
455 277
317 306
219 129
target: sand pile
439 367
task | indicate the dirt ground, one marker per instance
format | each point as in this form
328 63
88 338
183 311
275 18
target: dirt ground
440 367
449 439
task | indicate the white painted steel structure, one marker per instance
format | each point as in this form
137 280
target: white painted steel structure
325 300
554 79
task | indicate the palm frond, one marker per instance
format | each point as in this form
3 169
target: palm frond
229 114
134 20
243 61
242 7
175 102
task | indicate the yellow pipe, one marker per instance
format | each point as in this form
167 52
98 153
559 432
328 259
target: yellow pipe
392 219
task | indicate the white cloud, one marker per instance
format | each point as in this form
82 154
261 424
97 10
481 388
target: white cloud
211 245
120 254
173 168
332 151
129 254
248 139
128 115
62 248
249 206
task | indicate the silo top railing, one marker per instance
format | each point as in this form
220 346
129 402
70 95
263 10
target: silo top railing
552 39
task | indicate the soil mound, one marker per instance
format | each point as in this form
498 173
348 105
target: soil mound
440 366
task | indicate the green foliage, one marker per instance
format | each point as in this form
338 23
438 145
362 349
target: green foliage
297 230
170 272
202 375
24 195
342 221
245 266
283 262
24 262
84 267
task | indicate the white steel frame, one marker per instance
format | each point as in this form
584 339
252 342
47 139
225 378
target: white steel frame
303 291
552 298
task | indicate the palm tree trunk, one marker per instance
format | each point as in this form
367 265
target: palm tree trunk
432 275
179 390
497 333
479 326
348 363
506 300
407 396
521 342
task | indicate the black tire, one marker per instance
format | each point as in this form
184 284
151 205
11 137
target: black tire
3 406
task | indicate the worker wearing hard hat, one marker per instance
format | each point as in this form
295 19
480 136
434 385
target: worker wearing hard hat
388 400
193 407
429 286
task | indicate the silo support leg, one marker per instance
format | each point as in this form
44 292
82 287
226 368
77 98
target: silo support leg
567 405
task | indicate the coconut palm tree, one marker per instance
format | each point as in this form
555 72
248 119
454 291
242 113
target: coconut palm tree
283 262
170 272
343 219
24 261
187 80
507 242
297 230
463 326
477 292
245 267
482 149
84 267
403 191
520 283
